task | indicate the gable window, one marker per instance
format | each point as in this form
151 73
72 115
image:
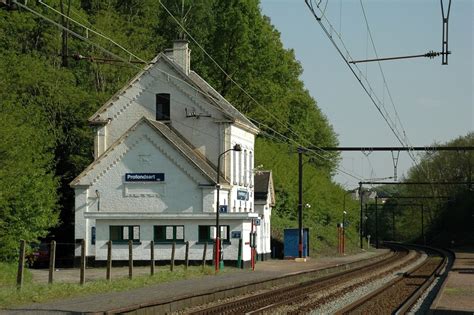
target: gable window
163 106
168 233
207 233
122 234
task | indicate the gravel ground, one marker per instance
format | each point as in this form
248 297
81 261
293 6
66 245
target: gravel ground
316 295
360 292
422 306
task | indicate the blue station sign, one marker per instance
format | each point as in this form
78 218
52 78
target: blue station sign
145 177
242 195
222 208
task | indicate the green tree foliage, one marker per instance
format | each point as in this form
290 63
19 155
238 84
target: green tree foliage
445 219
47 103
28 194
323 200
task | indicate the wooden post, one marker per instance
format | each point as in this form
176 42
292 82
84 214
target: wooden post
186 264
52 261
239 254
130 259
173 249
82 278
21 265
152 258
204 252
109 260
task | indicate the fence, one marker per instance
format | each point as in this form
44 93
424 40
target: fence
52 259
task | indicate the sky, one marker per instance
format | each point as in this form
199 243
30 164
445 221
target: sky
434 102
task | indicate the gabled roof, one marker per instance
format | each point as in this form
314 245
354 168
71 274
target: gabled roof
194 158
263 186
217 100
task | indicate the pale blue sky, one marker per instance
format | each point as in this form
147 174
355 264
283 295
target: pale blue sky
434 102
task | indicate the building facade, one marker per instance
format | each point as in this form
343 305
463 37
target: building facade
156 149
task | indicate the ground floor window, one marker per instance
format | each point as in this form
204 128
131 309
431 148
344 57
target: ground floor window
120 233
168 233
207 233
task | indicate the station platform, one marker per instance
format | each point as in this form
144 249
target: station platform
170 296
457 293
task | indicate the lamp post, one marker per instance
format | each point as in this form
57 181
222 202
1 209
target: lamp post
217 259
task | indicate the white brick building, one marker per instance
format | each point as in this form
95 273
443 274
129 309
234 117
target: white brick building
156 147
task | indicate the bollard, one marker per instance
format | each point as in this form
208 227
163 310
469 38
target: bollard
239 255
204 252
173 249
82 278
109 260
186 259
152 258
52 261
130 259
21 265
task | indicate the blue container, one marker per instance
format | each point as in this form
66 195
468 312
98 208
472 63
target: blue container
291 243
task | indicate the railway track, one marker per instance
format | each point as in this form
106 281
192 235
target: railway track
399 295
308 295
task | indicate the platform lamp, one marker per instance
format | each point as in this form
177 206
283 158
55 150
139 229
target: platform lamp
217 259
97 193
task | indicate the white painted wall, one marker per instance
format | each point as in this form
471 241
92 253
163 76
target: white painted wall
140 101
163 251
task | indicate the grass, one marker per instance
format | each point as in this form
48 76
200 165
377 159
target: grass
37 293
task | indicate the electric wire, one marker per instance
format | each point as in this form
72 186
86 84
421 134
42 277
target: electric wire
286 125
176 78
91 30
386 87
228 76
367 86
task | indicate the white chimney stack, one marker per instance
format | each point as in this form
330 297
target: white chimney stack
182 54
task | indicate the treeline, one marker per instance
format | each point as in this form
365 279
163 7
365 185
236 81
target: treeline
45 100
449 217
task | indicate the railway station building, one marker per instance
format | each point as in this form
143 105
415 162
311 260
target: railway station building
158 142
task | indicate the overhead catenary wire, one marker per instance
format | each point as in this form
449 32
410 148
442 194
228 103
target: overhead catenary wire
383 74
173 77
363 81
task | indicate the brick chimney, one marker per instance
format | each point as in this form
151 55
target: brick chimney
182 54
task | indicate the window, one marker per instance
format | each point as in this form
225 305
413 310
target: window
245 168
207 233
123 234
93 235
234 167
163 106
251 174
168 233
240 167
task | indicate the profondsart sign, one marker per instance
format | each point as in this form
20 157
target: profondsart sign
145 177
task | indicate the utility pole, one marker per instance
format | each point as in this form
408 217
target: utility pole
422 225
376 224
65 23
360 224
393 223
300 202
